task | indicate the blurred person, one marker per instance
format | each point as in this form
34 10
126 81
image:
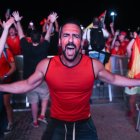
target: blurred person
134 73
122 37
7 14
5 29
53 50
116 50
31 27
33 53
96 37
7 68
13 41
116 45
3 116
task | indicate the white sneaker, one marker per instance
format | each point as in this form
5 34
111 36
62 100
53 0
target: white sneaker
42 119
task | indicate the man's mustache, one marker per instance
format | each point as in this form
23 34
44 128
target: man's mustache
71 44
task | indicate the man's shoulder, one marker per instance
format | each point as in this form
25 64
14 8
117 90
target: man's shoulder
44 62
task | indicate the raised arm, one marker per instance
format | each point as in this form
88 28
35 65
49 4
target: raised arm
56 26
114 39
105 31
112 28
130 44
18 18
6 26
52 17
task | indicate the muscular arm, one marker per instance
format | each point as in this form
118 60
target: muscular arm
102 74
26 85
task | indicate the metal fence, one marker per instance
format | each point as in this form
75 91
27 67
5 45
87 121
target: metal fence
104 90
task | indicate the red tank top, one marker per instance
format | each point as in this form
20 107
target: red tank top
70 89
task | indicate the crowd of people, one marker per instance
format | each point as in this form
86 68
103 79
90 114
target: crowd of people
63 79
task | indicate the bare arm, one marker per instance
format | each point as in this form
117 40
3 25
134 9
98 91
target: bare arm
130 44
105 32
102 74
44 27
114 39
32 82
112 28
6 26
18 18
52 17
56 26
12 68
11 71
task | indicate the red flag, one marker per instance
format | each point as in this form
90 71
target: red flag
102 16
134 63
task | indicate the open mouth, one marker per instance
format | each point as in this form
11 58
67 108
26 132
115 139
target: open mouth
70 50
70 47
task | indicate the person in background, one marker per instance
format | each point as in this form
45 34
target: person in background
33 53
96 36
3 116
116 45
134 73
123 41
53 49
5 27
13 41
7 68
70 78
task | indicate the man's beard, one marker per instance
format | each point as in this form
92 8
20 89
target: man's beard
76 53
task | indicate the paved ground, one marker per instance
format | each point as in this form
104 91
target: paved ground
109 118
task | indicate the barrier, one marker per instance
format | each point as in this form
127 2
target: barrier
118 66
19 102
19 66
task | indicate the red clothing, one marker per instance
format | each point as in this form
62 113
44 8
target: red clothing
14 45
70 88
29 39
123 45
134 61
4 62
120 51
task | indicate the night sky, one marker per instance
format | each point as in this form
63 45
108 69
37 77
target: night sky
127 10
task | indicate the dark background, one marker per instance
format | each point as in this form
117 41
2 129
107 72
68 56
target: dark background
128 11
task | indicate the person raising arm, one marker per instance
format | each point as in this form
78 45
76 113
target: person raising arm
6 26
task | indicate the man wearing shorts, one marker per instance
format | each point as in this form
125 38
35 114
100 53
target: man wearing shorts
33 53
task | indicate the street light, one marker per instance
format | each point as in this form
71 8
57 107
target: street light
113 14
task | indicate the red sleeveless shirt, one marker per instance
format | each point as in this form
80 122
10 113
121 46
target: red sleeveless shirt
70 89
